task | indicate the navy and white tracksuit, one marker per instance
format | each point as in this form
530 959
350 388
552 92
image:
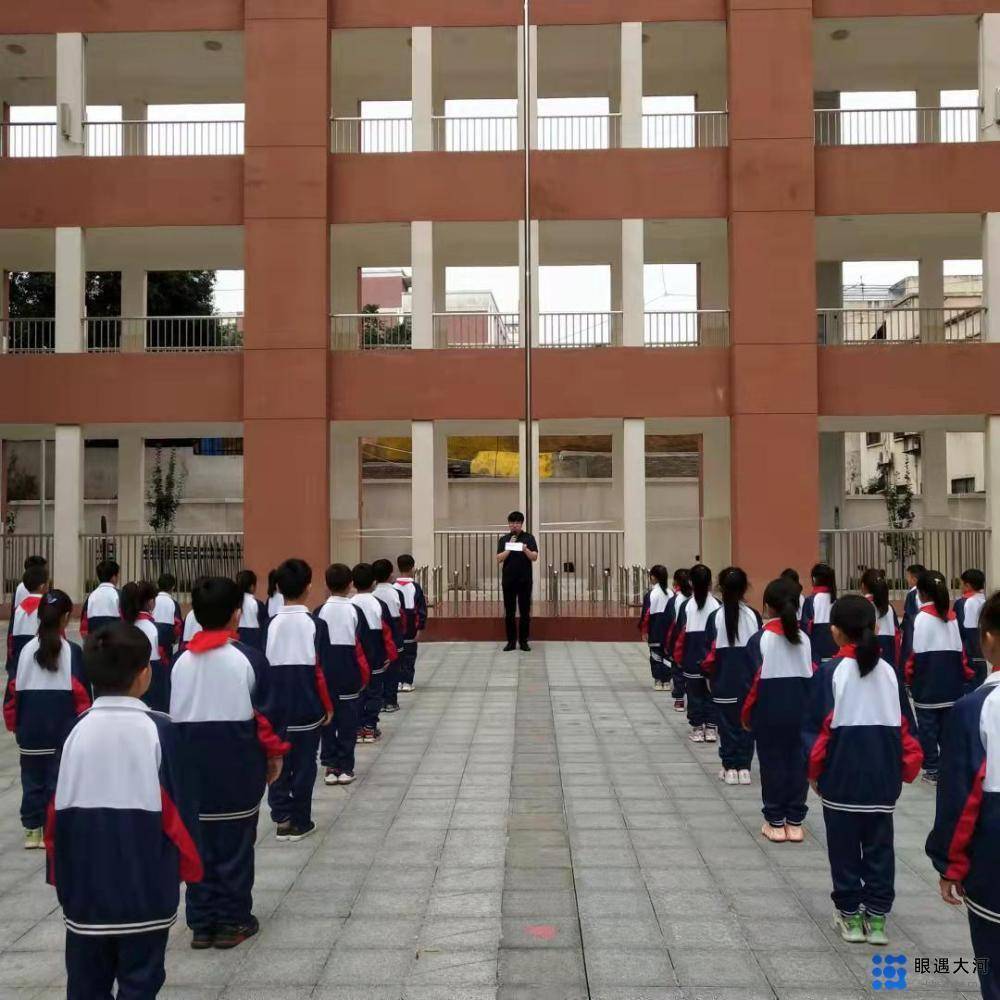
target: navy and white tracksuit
39 708
191 628
169 621
275 603
862 754
100 607
393 600
220 703
675 602
157 696
347 675
815 619
414 612
963 843
22 629
968 608
380 650
253 623
911 605
652 625
889 636
937 673
774 710
691 644
730 671
120 837
300 701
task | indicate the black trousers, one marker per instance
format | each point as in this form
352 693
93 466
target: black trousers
986 945
408 661
735 743
224 897
338 739
784 782
930 726
94 962
862 860
290 797
517 600
38 784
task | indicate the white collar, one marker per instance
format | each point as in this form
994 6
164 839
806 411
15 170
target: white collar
119 701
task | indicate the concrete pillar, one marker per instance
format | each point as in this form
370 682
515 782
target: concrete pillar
534 524
931 293
66 569
131 484
631 85
133 307
442 502
422 491
928 122
422 93
934 485
713 294
633 297
527 103
832 480
71 276
716 503
830 295
71 93
345 495
422 264
992 469
134 139
523 316
989 75
629 471
991 274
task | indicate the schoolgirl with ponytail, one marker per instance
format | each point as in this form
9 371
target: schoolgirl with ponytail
862 753
816 612
47 692
690 647
875 587
138 601
679 597
651 624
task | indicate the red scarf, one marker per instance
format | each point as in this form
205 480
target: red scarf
215 639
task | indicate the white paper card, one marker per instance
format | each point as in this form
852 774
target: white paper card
515 546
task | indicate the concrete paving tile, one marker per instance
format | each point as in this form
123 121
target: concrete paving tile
628 967
541 967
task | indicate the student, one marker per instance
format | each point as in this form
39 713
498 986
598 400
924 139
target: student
681 593
347 674
22 591
935 666
651 624
792 575
253 613
414 619
911 603
967 610
295 641
275 600
45 695
379 647
875 587
167 613
24 621
101 606
516 551
815 612
730 672
226 726
774 710
863 753
392 599
690 649
191 624
137 603
963 843
121 836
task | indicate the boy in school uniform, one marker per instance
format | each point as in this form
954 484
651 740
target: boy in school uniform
301 698
393 600
191 626
379 647
967 610
22 591
24 620
167 613
911 603
414 612
121 832
102 606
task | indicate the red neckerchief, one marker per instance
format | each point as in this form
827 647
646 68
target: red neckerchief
145 616
30 604
215 639
968 592
929 609
821 590
850 651
775 626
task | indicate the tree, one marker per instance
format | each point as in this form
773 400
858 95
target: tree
166 487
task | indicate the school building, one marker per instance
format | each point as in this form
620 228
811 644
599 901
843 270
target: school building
322 143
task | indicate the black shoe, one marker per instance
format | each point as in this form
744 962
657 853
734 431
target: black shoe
300 832
204 938
510 647
525 648
231 935
389 709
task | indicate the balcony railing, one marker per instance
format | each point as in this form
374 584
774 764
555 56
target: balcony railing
579 131
701 328
28 336
151 138
476 135
371 331
371 135
160 334
901 326
591 329
29 139
702 129
476 330
894 126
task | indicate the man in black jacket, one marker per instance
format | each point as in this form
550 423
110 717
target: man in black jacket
516 551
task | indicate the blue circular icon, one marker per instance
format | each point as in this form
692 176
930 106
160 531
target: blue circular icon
876 959
877 984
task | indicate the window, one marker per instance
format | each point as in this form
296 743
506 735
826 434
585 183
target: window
873 438
966 484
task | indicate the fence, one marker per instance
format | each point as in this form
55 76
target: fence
892 126
704 129
164 333
476 135
579 131
28 336
150 138
602 329
700 328
476 329
371 331
29 139
17 548
900 326
371 135
948 550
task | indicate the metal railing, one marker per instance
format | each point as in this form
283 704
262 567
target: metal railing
901 326
597 329
29 139
28 336
894 126
371 135
163 334
151 138
17 548
579 131
633 582
146 556
701 129
476 135
950 551
371 331
476 329
699 328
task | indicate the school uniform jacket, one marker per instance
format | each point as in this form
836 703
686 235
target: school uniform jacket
191 628
20 594
41 705
815 620
864 748
968 608
275 603
392 599
253 623
889 636
653 623
911 605
780 687
100 607
168 620
728 665
936 668
299 694
691 640
675 601
344 662
121 829
963 842
22 629
226 724
157 696
413 607
377 638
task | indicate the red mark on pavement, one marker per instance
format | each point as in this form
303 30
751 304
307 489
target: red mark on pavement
544 932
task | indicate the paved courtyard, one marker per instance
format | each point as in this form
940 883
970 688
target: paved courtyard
532 826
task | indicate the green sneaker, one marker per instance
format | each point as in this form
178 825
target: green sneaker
34 840
851 927
875 929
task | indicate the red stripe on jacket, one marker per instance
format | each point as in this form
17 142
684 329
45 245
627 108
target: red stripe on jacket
958 850
191 869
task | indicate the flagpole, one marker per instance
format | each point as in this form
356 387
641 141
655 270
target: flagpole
530 459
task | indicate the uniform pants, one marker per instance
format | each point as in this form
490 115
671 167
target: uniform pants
38 785
337 740
678 681
94 962
225 895
658 667
517 599
930 726
735 743
986 945
372 701
784 783
862 860
408 661
700 709
390 684
290 797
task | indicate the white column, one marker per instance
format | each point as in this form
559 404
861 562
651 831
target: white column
531 102
134 135
991 273
523 317
422 264
633 282
931 297
928 122
633 479
535 523
71 93
422 93
131 483
989 75
68 518
992 447
934 483
345 495
716 501
832 479
134 308
631 84
71 278
422 491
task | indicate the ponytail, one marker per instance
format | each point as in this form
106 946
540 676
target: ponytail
873 582
824 576
701 583
855 617
932 587
867 651
682 581
660 575
55 606
272 582
134 598
782 597
733 583
246 580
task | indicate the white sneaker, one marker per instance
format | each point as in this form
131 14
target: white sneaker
697 734
657 685
345 778
405 687
722 774
331 777
732 778
744 777
711 734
